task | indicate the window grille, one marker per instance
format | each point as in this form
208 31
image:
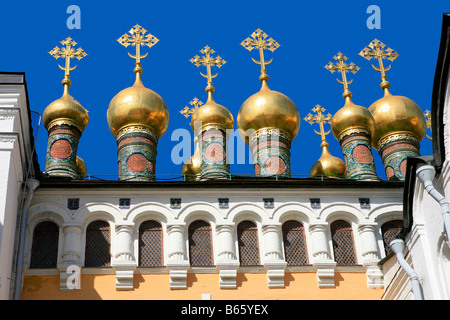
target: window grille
44 252
98 244
294 243
390 231
150 244
248 243
200 244
343 244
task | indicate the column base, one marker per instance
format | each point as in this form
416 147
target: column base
227 273
178 274
124 275
275 273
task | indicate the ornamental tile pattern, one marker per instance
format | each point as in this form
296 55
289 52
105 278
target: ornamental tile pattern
200 244
294 243
343 244
248 243
98 244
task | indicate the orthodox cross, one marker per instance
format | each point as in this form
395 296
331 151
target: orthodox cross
427 115
320 118
376 50
258 40
188 111
208 61
68 52
137 39
343 68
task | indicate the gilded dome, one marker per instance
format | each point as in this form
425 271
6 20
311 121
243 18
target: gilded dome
68 110
328 165
351 116
138 105
81 168
269 109
396 113
212 113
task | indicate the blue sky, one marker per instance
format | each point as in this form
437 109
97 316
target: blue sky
309 33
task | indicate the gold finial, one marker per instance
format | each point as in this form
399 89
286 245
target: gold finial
138 39
427 115
261 43
188 111
343 68
320 118
67 52
376 50
208 61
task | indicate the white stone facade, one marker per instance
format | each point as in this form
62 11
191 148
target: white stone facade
202 204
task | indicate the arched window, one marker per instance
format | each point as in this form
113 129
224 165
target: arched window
343 244
150 244
98 244
248 243
44 252
390 231
294 243
200 244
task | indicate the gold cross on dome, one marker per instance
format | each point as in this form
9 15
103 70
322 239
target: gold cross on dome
68 52
427 115
188 111
208 61
258 40
343 68
138 39
320 118
376 50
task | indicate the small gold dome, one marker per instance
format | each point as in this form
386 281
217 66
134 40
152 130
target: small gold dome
396 113
351 116
212 113
191 168
138 105
328 165
66 109
268 109
81 168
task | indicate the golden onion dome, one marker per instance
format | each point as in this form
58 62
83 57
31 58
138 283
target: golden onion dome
139 106
212 113
81 168
328 165
395 114
351 116
191 167
66 110
268 109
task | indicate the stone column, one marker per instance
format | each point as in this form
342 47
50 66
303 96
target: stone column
124 262
371 256
322 262
177 264
273 258
70 266
227 263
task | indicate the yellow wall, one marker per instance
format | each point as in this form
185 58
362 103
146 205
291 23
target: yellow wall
251 286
